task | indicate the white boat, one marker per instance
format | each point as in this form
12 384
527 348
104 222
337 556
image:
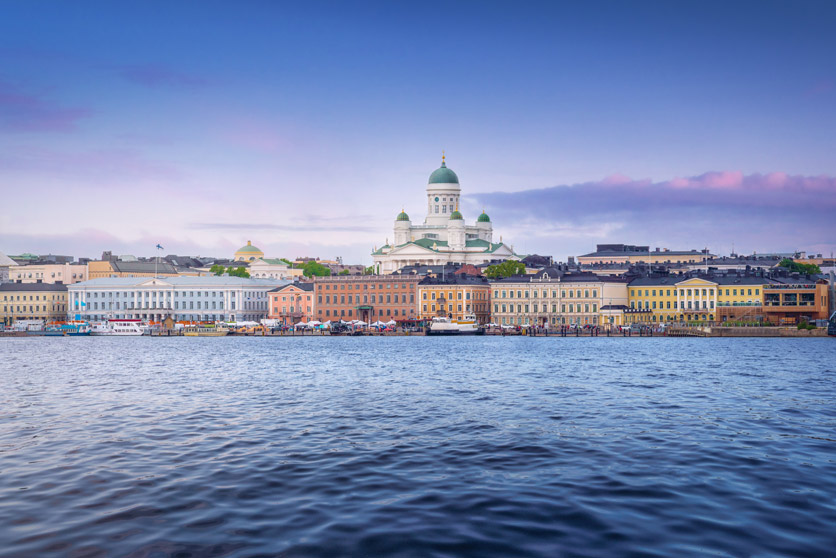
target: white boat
117 327
445 326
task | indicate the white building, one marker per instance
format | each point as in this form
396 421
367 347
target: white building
182 298
272 268
66 273
444 237
6 263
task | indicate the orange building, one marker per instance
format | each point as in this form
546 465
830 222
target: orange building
291 303
369 298
789 300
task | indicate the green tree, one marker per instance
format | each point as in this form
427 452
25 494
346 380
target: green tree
811 269
217 269
505 269
369 270
343 272
240 272
288 262
315 269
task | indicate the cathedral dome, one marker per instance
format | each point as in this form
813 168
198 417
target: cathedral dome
483 218
402 216
456 216
443 175
248 253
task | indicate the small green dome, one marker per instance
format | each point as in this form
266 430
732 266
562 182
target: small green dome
249 248
402 216
483 218
456 216
443 175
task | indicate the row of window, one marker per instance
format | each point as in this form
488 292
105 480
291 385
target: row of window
585 293
696 292
352 299
458 295
35 308
366 286
292 309
168 294
562 320
349 313
685 304
11 298
564 308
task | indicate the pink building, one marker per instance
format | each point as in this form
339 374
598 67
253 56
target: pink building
292 303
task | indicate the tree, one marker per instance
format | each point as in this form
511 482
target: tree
810 269
315 269
240 272
505 269
343 272
288 262
369 270
217 269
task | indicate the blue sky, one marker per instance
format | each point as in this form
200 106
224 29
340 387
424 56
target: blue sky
306 127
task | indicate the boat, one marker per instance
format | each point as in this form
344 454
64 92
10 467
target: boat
117 327
442 325
206 330
831 325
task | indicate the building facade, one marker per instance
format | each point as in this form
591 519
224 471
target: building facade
114 268
292 303
455 296
789 300
272 268
630 254
66 273
444 237
186 299
32 301
554 298
368 298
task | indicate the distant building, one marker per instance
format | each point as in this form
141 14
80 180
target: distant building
292 303
631 254
32 301
248 253
6 264
272 268
66 273
118 268
455 296
180 298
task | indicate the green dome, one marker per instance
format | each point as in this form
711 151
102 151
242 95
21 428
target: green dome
249 248
443 175
402 216
456 215
483 218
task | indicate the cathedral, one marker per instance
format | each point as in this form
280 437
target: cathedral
444 237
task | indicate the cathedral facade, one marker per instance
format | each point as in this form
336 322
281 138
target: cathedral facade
444 237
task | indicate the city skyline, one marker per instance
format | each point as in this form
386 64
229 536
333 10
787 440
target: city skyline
307 129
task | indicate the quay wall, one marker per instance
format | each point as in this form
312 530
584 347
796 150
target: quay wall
766 332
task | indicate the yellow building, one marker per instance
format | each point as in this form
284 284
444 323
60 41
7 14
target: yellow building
32 301
248 253
454 296
696 299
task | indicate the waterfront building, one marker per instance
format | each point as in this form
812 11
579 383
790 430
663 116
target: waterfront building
697 298
631 254
292 303
248 253
455 296
180 298
66 273
555 297
32 301
273 268
792 298
369 298
444 237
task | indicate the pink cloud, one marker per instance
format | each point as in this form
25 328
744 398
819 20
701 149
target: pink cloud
21 112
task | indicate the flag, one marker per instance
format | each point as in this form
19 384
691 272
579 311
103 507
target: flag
160 247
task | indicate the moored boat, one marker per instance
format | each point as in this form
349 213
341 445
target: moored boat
442 325
206 330
118 327
831 325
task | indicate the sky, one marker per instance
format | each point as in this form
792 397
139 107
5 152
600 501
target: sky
306 127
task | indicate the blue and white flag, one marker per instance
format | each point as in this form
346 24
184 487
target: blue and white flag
160 247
